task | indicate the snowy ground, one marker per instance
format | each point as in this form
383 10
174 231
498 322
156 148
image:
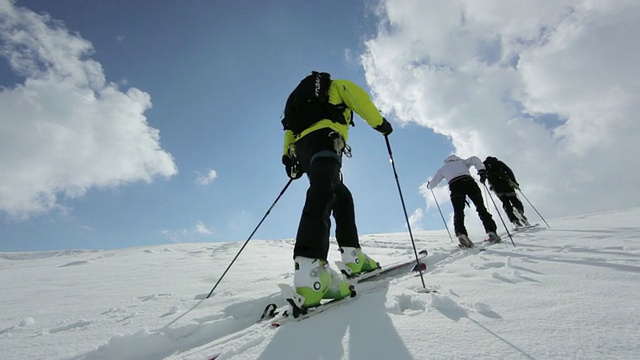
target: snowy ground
570 291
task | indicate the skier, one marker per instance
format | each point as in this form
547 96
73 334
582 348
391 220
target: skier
316 149
503 183
461 185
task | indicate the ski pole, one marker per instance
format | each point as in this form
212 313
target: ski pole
404 208
237 255
534 208
498 211
442 216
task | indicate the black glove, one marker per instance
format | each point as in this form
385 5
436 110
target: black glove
514 184
384 128
292 167
483 175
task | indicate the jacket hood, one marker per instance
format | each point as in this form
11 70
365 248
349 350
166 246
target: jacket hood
452 158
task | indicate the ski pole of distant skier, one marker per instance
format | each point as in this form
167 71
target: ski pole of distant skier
237 255
404 208
498 211
534 208
442 216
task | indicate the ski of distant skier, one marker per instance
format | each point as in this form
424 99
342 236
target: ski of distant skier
526 227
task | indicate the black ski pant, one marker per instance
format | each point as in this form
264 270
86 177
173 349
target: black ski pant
509 199
509 202
461 188
327 195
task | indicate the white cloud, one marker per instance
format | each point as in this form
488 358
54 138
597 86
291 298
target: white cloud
549 87
202 229
198 231
65 129
207 178
415 219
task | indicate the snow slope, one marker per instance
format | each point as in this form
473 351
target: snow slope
568 291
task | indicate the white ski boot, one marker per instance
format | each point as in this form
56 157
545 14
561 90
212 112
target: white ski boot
355 262
464 240
493 237
314 280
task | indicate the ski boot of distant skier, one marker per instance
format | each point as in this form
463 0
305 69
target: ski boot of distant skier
355 262
314 280
520 220
516 224
520 215
464 241
493 238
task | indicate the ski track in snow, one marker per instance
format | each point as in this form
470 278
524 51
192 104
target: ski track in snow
225 325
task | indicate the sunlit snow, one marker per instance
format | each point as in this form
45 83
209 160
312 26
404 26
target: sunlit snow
568 291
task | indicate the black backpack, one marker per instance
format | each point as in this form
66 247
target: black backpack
309 103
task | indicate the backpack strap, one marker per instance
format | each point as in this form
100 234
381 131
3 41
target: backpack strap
335 113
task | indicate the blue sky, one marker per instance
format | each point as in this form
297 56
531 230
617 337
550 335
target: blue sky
87 91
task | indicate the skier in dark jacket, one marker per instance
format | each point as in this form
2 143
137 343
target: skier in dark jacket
503 183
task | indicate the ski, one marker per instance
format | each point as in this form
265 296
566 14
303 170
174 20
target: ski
396 269
293 312
308 312
526 227
295 315
474 247
481 246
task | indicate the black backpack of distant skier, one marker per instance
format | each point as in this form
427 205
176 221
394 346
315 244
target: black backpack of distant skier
309 103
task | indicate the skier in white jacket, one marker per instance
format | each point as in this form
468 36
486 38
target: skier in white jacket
461 185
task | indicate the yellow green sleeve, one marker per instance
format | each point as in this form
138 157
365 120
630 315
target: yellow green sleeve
359 101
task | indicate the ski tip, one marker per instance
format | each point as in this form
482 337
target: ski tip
423 252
